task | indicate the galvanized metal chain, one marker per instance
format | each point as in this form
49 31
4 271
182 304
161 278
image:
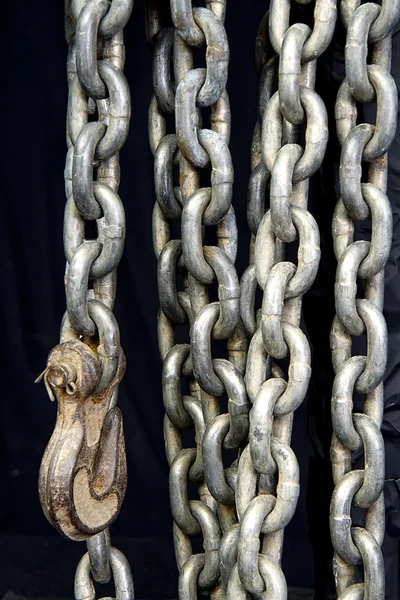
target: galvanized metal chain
234 479
359 291
267 486
83 472
197 386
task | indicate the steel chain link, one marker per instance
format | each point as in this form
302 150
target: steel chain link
359 291
83 472
204 394
267 486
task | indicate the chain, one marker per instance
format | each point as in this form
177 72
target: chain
359 291
267 485
234 370
203 394
83 472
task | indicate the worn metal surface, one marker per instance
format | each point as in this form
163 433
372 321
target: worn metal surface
83 474
359 296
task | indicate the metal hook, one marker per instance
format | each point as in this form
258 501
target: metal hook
82 477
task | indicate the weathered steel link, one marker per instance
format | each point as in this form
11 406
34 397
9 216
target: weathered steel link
290 71
86 48
267 484
217 56
83 472
385 23
316 134
84 588
195 383
321 35
363 197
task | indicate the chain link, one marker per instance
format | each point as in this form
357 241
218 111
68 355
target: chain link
121 572
83 472
197 386
359 296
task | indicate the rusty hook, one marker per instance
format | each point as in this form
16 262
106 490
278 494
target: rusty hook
83 477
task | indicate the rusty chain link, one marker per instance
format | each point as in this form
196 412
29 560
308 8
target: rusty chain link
83 475
201 393
359 291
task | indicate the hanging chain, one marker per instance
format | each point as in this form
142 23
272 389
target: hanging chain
216 416
267 485
359 292
203 394
83 472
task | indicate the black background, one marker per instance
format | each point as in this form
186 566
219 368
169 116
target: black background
34 96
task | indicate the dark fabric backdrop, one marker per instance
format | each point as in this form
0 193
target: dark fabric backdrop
34 96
